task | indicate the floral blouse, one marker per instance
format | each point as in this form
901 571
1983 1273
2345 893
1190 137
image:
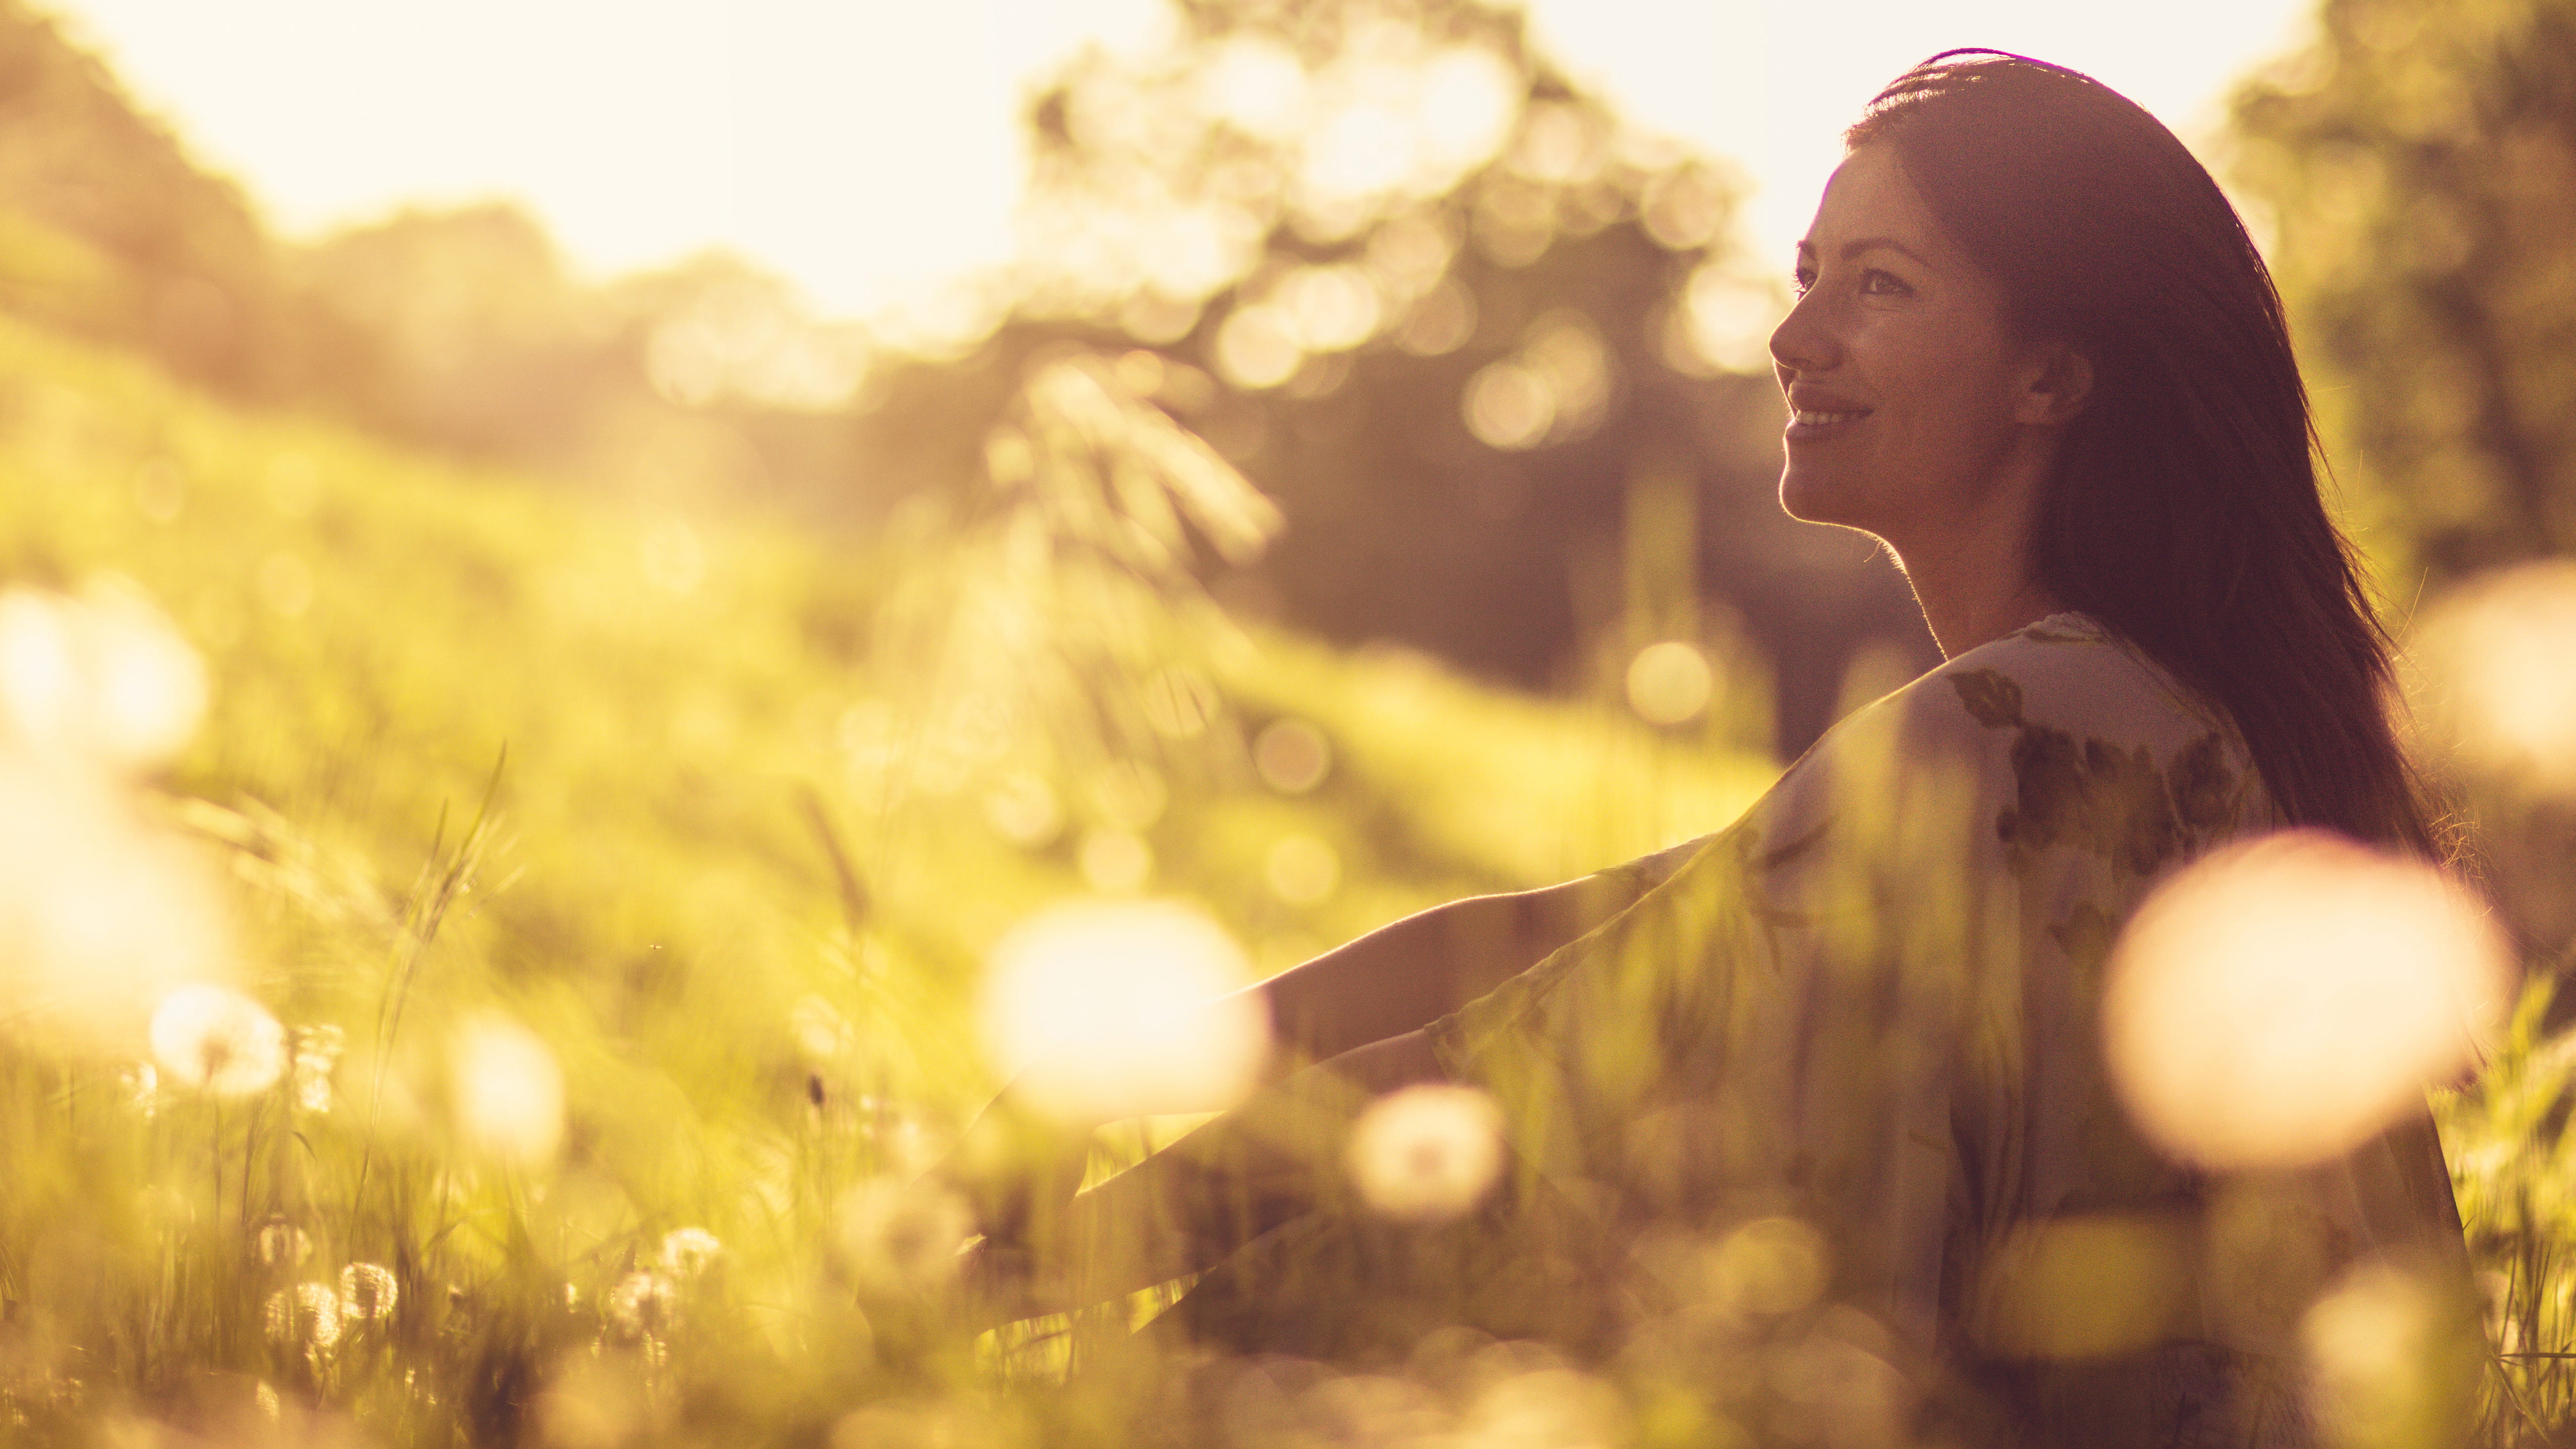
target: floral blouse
1871 1005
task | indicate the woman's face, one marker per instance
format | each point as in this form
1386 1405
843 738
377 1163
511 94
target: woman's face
1912 413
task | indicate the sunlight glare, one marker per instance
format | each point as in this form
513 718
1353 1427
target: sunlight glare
2279 1001
1122 1009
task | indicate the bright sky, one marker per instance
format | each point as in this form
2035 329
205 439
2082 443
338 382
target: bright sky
642 130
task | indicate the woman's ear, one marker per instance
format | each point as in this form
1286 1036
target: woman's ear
2059 389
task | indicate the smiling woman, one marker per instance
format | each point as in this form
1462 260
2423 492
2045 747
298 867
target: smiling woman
1827 1091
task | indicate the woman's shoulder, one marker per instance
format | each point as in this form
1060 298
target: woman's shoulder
2064 675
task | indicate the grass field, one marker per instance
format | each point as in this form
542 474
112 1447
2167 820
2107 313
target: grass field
600 892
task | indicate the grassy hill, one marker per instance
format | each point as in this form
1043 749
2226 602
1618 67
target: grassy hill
678 796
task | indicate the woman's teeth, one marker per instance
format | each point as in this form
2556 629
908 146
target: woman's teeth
1812 420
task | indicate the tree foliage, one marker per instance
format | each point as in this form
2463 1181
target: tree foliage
2419 161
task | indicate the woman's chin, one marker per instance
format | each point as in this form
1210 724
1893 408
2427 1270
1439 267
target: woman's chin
1811 499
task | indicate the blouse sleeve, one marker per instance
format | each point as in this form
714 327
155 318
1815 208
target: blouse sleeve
1775 1018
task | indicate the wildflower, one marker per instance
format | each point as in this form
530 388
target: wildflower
216 1039
1427 1153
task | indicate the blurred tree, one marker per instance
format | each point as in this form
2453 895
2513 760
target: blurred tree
1487 344
109 230
2418 162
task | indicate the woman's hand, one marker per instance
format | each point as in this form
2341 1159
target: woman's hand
1016 1169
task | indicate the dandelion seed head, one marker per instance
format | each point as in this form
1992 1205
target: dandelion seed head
1427 1153
282 1244
306 1316
687 1252
367 1291
217 1040
643 1304
509 1094
316 1051
2280 1001
1113 1009
891 1234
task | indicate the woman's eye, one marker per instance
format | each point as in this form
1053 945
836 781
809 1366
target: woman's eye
1802 280
1875 283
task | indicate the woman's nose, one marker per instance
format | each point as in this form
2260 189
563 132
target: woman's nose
1799 343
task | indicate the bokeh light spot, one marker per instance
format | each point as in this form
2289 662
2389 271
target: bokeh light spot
2499 657
2281 1000
1302 870
1670 683
1508 406
1115 1009
508 1091
1292 756
1427 1153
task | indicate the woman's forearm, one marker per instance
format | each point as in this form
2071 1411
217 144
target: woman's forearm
1185 1208
1402 977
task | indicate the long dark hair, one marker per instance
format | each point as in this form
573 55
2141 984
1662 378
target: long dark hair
2183 511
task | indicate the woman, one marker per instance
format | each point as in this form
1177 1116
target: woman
2036 355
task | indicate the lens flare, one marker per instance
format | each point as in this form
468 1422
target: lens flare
1119 1008
508 1092
2282 1000
1427 1153
215 1039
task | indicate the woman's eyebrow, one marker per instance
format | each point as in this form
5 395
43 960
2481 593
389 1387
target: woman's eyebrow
1854 248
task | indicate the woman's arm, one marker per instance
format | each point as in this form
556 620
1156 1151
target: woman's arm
1019 1160
1187 1207
1402 977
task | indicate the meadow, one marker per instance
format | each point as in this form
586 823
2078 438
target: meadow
589 903
488 963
